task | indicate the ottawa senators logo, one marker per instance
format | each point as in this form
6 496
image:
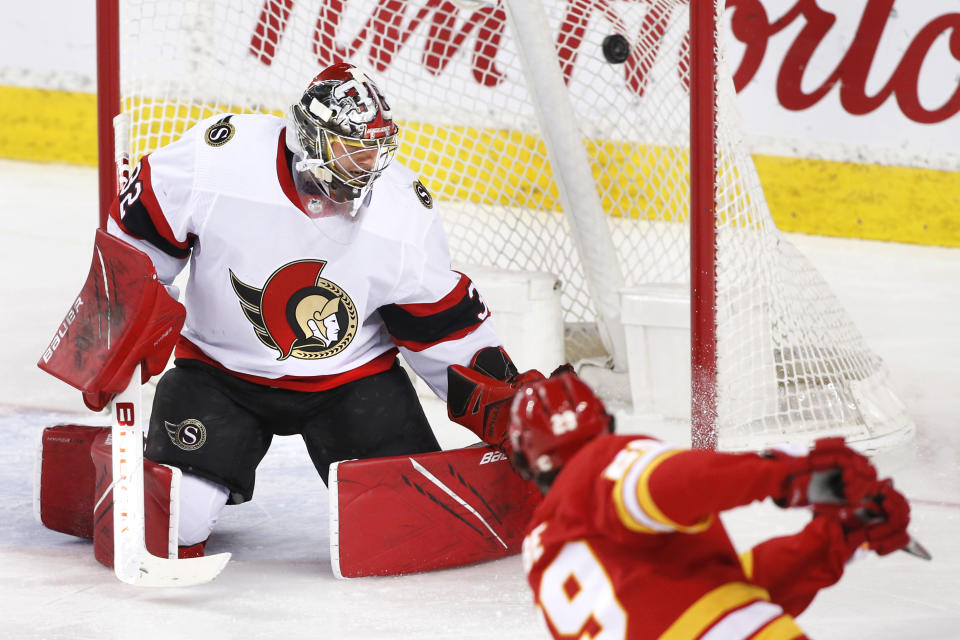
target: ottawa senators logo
298 313
189 435
220 132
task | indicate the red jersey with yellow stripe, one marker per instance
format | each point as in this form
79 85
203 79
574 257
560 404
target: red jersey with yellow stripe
608 558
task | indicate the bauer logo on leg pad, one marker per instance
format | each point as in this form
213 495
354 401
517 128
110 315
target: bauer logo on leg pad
188 435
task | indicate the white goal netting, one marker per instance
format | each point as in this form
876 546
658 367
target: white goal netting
791 366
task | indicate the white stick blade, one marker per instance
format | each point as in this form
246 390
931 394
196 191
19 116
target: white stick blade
186 572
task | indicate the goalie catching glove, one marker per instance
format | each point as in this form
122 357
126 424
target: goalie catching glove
479 396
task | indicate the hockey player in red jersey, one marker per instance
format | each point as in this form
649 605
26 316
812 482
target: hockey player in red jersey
628 543
314 260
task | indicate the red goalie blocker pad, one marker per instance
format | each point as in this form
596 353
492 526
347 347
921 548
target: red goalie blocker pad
122 316
403 514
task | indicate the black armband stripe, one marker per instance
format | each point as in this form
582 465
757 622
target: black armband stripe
419 326
138 223
138 213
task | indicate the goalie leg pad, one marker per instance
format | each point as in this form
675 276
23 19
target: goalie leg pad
66 478
404 514
161 497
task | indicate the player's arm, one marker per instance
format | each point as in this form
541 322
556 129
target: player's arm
794 568
436 315
454 348
664 488
449 328
155 211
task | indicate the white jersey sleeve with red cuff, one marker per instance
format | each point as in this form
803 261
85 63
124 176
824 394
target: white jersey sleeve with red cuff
155 211
439 318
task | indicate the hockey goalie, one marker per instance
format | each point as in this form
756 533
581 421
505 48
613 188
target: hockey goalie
315 260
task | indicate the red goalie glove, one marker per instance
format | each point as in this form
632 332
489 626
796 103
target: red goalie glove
831 473
122 316
479 397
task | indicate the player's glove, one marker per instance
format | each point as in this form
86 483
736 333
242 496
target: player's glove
479 396
879 522
830 474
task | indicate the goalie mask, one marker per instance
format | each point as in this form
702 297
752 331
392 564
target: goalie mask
342 135
550 421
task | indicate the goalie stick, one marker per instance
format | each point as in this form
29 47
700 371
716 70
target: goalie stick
132 562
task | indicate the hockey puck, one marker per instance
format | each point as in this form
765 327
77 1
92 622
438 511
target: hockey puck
616 49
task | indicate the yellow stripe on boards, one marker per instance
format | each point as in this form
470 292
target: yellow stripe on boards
899 204
873 202
40 125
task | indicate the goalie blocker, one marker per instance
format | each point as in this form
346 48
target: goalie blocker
123 316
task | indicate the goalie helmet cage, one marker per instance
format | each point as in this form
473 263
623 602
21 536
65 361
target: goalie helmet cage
549 153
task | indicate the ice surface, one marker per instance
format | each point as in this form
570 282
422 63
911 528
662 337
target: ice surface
905 299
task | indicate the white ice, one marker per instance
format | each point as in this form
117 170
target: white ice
905 299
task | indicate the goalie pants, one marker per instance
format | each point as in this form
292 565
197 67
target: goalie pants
219 427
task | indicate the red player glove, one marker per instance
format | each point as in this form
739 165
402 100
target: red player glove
831 473
880 521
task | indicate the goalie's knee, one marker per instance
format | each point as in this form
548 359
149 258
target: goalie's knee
179 510
201 502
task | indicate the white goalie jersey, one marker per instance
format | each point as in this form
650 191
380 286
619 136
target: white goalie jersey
287 298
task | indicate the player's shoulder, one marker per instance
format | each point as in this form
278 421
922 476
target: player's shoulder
409 188
237 129
607 446
222 131
401 206
594 460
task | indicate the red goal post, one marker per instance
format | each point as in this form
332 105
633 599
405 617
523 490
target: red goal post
546 153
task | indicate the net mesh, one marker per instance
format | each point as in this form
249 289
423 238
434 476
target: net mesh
791 365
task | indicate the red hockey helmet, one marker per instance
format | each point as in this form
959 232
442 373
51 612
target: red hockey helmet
342 135
550 420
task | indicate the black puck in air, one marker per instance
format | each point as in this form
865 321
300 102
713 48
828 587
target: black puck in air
616 49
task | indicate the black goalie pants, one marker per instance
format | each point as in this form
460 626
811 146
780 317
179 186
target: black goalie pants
217 426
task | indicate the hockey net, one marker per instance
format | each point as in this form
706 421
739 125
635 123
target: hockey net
790 364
